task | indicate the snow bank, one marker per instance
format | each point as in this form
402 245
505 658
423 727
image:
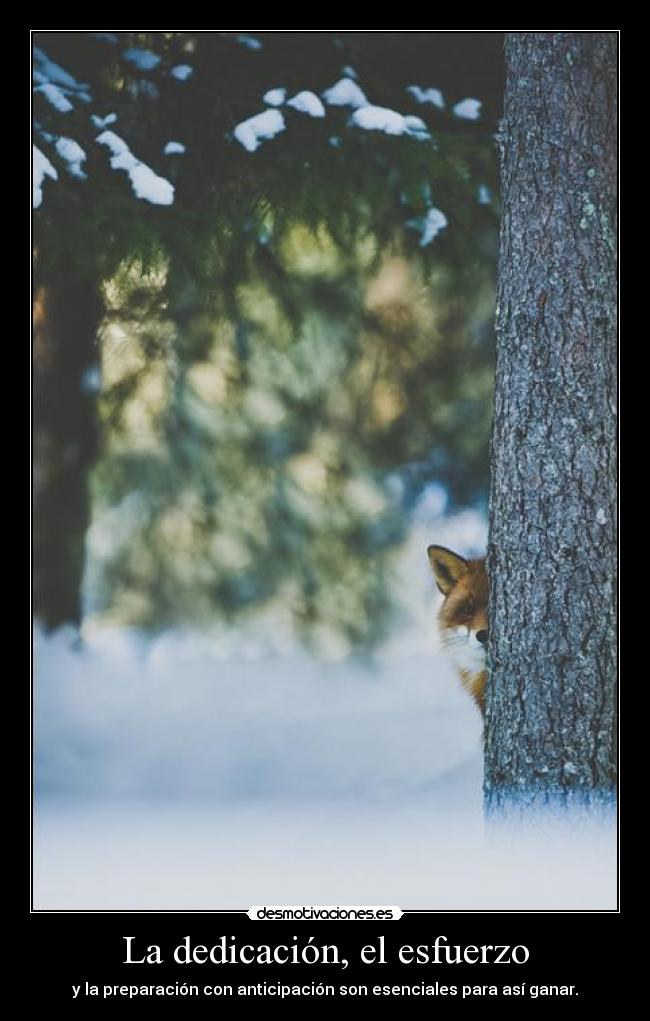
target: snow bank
180 716
245 710
361 783
415 853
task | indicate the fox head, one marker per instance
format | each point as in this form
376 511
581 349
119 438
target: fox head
462 620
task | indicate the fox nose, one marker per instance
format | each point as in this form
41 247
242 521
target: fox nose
482 637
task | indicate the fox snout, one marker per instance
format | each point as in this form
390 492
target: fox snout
463 621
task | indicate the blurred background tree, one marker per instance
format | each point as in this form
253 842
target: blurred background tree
257 340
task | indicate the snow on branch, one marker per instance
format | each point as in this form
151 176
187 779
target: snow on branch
45 70
55 96
468 109
345 93
250 42
432 96
275 97
428 226
145 183
379 118
144 60
251 132
41 168
181 72
307 102
73 154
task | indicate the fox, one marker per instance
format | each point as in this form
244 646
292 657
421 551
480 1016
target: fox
463 616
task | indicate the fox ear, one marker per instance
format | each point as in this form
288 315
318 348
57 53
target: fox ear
447 567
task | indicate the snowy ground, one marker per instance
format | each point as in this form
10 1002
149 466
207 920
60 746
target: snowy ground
218 772
420 852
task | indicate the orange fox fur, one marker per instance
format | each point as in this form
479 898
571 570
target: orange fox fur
462 621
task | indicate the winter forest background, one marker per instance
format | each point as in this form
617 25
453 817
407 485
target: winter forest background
264 285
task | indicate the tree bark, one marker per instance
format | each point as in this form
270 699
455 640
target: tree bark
550 731
67 313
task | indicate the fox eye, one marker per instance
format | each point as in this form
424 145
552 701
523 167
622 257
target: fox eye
466 609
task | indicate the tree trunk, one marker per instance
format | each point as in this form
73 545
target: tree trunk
551 699
67 311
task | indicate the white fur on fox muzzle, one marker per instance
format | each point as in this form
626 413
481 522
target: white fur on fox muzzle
464 649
